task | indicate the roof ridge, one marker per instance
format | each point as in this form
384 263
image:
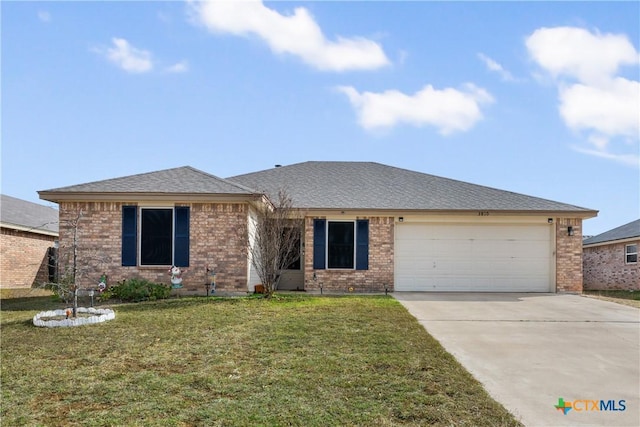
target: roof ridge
415 172
2 196
27 215
182 179
480 185
151 173
116 178
235 184
612 234
395 187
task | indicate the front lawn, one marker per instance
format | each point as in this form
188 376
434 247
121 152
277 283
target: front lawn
295 360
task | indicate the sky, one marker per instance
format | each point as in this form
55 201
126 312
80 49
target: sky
531 97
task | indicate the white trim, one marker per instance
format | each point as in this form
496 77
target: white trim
84 196
613 242
540 215
147 204
490 218
252 274
553 250
626 254
34 230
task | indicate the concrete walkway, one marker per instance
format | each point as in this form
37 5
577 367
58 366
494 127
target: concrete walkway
529 350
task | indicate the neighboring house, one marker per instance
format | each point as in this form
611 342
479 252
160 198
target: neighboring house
610 259
368 227
28 231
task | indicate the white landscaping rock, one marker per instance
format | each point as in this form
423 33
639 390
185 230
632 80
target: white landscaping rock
98 315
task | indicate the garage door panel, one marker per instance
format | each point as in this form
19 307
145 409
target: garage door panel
471 257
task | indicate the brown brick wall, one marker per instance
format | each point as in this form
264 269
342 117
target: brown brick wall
605 268
214 240
380 270
568 255
23 258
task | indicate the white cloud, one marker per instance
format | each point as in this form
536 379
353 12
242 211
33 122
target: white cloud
44 16
134 60
610 110
297 34
578 53
178 67
592 98
496 67
129 58
626 159
449 110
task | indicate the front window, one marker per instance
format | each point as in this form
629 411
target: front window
340 244
156 236
631 254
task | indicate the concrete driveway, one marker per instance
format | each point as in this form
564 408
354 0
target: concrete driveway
529 350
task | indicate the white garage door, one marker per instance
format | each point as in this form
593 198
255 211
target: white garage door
473 258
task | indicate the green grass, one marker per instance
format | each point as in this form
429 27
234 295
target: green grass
13 293
294 360
626 297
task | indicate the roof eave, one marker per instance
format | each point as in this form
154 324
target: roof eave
611 242
35 230
79 196
583 214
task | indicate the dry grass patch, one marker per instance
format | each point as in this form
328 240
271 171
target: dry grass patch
293 360
626 297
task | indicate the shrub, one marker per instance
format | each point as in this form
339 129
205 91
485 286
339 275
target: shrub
139 290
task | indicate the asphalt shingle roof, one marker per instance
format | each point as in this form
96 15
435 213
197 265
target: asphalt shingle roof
27 215
329 185
626 231
185 180
367 185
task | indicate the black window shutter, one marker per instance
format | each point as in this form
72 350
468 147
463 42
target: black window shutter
181 238
319 239
362 244
129 236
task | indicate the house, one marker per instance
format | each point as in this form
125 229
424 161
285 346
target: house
28 231
610 259
368 227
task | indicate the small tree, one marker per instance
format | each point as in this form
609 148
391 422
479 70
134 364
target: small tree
69 269
273 240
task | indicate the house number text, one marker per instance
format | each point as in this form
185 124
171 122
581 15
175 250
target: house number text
483 213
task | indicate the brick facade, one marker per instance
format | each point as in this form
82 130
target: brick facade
380 270
605 267
215 240
569 255
23 258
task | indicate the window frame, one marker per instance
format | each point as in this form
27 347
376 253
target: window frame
627 254
354 244
173 237
362 243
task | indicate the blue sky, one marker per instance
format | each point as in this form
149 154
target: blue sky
537 98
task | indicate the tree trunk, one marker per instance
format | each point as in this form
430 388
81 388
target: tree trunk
75 301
